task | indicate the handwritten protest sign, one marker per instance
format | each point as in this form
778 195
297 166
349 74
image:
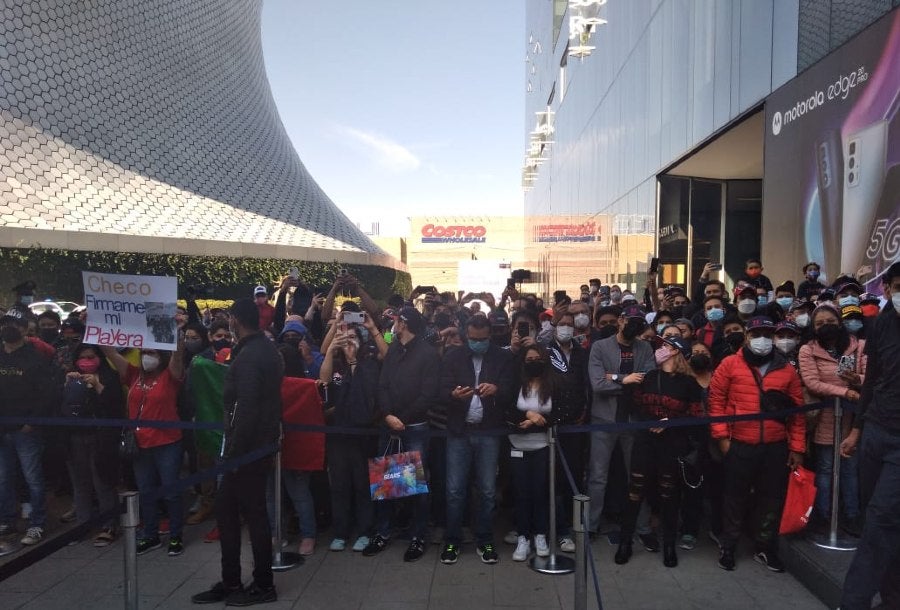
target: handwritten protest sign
130 310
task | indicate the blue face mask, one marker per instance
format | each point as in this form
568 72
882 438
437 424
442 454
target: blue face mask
853 326
785 302
715 314
659 328
848 300
762 300
480 346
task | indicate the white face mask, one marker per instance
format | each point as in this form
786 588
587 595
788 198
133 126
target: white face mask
149 362
802 320
746 306
761 346
564 333
786 345
582 320
895 301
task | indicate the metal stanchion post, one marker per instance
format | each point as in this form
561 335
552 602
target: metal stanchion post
831 540
552 564
129 522
581 507
282 560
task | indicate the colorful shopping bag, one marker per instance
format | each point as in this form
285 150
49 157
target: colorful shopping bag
397 475
801 493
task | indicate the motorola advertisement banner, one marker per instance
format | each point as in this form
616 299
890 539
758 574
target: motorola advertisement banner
832 161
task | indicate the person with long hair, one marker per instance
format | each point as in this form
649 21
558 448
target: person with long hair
153 396
93 390
667 392
833 366
541 403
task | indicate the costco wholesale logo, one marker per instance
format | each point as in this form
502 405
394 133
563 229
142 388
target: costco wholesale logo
453 234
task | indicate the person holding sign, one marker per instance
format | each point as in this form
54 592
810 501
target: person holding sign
153 396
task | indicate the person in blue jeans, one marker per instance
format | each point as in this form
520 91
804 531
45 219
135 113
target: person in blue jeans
407 388
296 484
28 383
477 384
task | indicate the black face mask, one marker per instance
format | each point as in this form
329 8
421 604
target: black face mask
633 328
534 368
734 340
293 342
220 344
700 362
48 335
828 333
501 339
678 311
11 334
608 331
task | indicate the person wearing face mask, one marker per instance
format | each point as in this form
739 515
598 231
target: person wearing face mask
49 324
713 314
733 338
784 296
153 395
581 324
500 331
799 314
93 390
606 322
27 389
753 275
853 321
298 362
477 384
615 295
661 320
846 291
569 361
24 294
667 392
833 365
196 342
876 430
409 386
810 286
757 454
615 366
787 341
746 300
540 401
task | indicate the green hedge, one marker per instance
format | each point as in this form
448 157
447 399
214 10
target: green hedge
57 273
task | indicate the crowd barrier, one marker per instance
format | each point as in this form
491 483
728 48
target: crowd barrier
282 561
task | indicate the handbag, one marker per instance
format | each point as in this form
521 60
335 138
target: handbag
798 504
128 445
397 475
772 401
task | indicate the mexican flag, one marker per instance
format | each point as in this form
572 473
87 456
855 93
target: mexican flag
207 384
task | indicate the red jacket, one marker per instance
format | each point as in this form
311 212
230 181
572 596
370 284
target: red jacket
733 391
266 315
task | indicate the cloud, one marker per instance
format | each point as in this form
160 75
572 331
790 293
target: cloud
390 155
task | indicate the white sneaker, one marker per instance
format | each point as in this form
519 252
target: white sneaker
540 545
566 544
523 547
511 537
32 536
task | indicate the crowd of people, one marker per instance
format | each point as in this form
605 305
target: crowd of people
494 375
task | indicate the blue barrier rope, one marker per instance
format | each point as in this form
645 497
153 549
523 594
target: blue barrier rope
372 431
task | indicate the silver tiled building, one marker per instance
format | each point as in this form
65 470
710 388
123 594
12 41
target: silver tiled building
149 125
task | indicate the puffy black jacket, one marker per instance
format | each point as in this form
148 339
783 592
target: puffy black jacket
457 370
30 384
409 382
252 396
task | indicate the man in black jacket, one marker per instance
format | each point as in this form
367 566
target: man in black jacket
252 411
477 384
407 388
27 389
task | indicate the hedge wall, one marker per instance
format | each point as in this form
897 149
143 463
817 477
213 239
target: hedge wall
57 273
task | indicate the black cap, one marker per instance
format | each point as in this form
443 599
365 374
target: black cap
413 319
679 344
26 287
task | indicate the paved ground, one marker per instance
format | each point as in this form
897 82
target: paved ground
85 577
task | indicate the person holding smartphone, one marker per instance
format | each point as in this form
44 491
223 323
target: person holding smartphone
833 365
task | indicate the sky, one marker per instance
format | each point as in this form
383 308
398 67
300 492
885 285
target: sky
403 108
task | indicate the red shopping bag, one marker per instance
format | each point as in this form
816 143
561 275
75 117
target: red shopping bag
801 493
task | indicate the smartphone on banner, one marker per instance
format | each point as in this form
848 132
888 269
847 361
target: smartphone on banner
830 179
865 154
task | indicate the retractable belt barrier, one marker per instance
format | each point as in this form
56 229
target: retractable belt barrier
50 546
64 422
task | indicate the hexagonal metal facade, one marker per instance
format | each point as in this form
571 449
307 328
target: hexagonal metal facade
152 118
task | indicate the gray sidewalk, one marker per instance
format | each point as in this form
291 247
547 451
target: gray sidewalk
85 577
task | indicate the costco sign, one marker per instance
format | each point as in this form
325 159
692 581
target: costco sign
453 234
